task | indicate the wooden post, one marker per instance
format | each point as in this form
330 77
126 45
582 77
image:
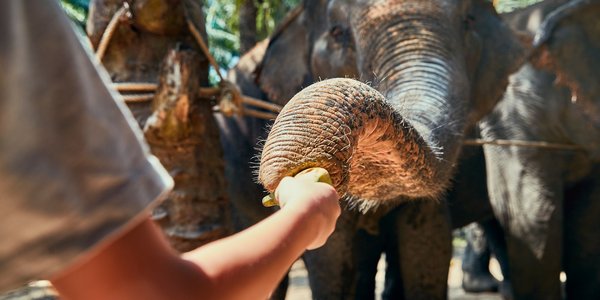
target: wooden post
147 46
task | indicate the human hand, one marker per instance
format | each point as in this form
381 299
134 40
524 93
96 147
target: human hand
317 202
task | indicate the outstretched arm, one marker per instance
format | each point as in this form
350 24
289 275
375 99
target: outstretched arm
248 265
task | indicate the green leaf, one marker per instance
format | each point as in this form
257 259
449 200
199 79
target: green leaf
76 10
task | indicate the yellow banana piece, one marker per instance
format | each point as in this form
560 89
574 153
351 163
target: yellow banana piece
311 174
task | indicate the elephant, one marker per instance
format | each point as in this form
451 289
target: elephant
331 55
438 69
310 51
547 198
487 235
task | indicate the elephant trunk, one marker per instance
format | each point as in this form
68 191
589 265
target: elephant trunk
421 69
379 147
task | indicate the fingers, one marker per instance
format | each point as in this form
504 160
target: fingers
317 201
287 185
303 188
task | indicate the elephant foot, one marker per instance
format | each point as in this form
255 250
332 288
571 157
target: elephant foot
479 283
505 290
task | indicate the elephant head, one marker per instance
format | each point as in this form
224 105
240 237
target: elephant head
438 67
305 48
568 44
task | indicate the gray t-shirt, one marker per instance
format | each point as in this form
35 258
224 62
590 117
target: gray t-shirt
73 167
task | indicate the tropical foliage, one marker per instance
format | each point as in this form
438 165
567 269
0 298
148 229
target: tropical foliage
76 10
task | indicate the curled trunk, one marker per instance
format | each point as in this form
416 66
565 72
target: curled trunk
347 128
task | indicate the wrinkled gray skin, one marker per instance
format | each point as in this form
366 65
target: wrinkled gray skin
548 201
423 230
487 235
332 55
433 62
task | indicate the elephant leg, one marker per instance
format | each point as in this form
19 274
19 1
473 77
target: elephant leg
424 249
331 268
495 237
368 249
526 194
392 288
476 260
582 242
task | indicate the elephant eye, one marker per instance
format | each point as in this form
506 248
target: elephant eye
336 31
469 22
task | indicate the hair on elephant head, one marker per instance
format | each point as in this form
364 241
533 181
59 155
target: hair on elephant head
568 44
438 66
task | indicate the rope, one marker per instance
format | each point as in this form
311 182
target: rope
211 92
231 99
227 108
252 113
138 98
261 104
203 46
526 144
122 13
135 87
250 101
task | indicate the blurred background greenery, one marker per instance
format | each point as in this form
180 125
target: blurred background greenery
234 26
510 5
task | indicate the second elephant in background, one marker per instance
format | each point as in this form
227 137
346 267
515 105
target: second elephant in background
548 198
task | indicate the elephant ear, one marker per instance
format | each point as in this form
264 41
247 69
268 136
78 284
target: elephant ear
568 44
499 52
285 67
245 71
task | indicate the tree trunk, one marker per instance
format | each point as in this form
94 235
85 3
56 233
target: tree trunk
183 135
182 132
248 12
